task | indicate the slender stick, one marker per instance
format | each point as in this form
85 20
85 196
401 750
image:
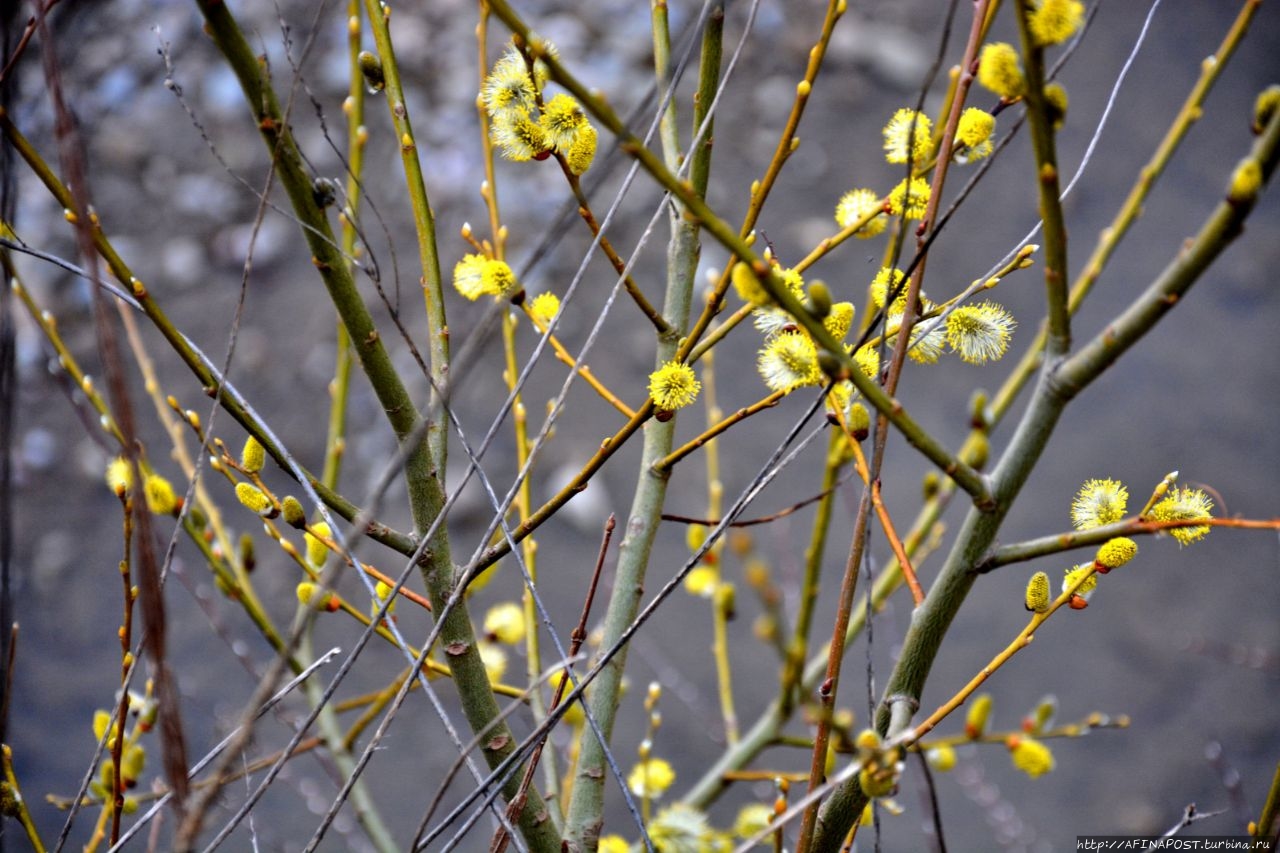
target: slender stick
1055 229
1061 542
1020 642
586 804
357 136
379 16
768 402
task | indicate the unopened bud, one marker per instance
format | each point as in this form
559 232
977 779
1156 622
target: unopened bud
294 515
371 68
253 456
1037 597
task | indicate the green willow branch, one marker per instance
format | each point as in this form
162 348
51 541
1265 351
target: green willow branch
789 693
422 477
1187 116
357 135
424 222
21 812
1265 826
667 462
585 814
830 684
1055 229
767 729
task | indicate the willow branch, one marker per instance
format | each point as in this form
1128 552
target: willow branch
379 15
1059 543
1055 229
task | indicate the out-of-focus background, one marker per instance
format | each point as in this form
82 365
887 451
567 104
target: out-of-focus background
1184 641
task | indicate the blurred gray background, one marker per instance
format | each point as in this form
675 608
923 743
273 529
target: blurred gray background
1184 641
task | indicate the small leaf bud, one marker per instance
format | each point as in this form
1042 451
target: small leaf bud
877 781
310 594
726 600
381 591
1055 97
1042 717
695 536
294 515
931 485
978 410
324 191
1246 180
504 623
1265 107
941 758
120 476
819 300
371 68
248 558
976 450
131 764
747 285
101 722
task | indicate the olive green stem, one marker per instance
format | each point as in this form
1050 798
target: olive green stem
1223 226
529 547
1187 116
1266 823
366 811
767 728
586 805
424 223
798 648
723 595
340 387
1055 230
